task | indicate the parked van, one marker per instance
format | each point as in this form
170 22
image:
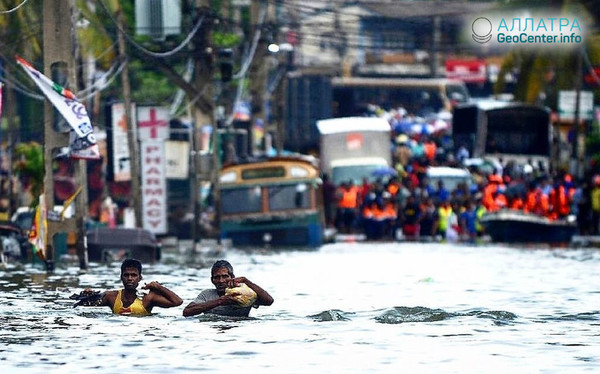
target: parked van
451 177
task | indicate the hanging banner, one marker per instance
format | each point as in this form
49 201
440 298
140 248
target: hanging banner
121 159
83 143
39 230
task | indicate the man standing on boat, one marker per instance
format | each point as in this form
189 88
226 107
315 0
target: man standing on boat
233 297
126 301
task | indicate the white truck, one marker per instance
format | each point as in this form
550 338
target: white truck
354 147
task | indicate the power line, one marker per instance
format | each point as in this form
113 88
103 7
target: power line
170 53
13 9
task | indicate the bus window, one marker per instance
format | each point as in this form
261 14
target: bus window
289 197
251 196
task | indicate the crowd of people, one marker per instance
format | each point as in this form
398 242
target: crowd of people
409 206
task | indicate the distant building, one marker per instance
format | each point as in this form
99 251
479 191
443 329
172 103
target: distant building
399 38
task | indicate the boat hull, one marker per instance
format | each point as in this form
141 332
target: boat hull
517 227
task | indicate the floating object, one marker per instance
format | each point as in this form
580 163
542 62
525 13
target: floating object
87 298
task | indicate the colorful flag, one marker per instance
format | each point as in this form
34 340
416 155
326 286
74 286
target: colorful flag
39 230
83 143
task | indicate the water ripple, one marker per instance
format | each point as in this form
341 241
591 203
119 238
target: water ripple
330 315
403 314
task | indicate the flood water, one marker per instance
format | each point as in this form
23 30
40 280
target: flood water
344 308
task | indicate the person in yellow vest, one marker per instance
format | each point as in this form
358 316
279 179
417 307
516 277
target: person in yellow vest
444 212
595 199
126 300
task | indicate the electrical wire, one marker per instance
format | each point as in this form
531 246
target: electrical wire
180 94
13 9
146 51
250 56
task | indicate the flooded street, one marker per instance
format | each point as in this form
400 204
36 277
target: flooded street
346 307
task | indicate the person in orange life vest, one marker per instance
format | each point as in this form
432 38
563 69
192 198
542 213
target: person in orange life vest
348 200
537 202
494 182
559 201
430 149
390 214
126 301
500 201
373 216
393 187
530 198
515 202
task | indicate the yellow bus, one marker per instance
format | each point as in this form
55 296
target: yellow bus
277 202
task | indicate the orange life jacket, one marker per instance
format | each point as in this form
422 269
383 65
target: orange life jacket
349 198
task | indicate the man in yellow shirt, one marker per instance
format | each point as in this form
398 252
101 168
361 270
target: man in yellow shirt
126 300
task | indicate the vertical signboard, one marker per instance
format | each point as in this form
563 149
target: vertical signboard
153 125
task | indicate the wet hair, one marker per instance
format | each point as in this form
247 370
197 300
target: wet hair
131 263
222 264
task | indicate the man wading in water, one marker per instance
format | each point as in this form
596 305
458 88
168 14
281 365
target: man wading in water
233 297
125 301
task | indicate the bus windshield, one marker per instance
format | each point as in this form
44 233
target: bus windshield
289 197
250 196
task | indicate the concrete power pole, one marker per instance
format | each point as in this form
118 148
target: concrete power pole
203 81
58 61
132 138
258 69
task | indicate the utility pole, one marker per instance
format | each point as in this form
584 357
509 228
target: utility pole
577 153
258 69
58 59
132 138
11 141
203 81
434 58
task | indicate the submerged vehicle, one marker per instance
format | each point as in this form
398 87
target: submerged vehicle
13 243
513 226
277 202
107 244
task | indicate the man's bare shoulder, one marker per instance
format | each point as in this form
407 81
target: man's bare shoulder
111 296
